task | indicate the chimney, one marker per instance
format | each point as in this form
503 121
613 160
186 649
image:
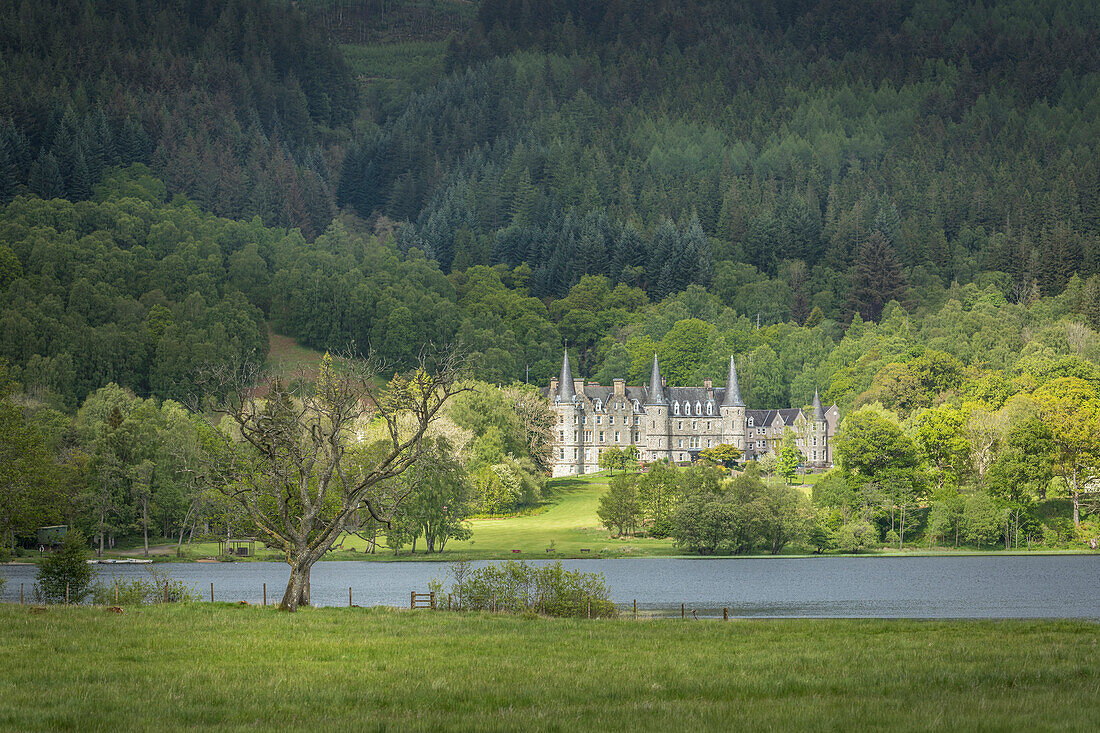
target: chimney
707 384
663 382
553 386
578 386
620 387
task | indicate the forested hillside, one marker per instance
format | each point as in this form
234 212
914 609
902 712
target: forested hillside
237 103
897 205
577 136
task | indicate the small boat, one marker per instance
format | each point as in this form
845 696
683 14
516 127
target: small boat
120 561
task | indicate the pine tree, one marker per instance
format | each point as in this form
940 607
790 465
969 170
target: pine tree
877 280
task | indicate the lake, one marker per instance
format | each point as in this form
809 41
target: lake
986 586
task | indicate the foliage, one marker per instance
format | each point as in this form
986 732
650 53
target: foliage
619 509
65 575
159 587
516 586
737 516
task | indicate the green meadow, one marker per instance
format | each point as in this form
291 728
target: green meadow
235 667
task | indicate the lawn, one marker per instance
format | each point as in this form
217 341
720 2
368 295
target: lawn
234 667
569 525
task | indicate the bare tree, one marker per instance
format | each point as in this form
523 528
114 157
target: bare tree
296 459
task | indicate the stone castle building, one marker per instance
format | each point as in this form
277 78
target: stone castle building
675 423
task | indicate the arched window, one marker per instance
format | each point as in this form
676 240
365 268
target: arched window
635 405
710 408
698 408
599 405
751 421
676 408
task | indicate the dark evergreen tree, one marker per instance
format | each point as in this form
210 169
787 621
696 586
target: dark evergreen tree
877 279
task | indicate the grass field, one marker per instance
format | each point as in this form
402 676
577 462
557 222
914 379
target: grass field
229 667
569 525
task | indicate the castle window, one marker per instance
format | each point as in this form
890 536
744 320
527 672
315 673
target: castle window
562 453
637 421
616 436
751 421
710 408
561 436
708 424
635 405
611 420
694 425
698 409
815 441
680 425
676 408
601 436
599 405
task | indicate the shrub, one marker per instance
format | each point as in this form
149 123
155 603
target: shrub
138 591
518 586
68 567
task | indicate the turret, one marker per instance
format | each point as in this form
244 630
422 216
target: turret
732 397
656 386
732 410
566 391
819 411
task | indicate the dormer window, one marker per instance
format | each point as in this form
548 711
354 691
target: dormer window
752 421
710 408
698 409
599 405
635 405
676 408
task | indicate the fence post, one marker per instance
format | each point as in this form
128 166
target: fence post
349 596
635 609
66 594
682 616
165 591
589 608
412 599
211 591
265 595
431 597
20 594
116 590
725 614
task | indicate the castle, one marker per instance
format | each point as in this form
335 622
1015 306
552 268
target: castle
675 423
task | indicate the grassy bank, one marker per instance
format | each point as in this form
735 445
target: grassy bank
225 666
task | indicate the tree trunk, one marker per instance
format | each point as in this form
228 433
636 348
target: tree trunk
145 522
297 588
1076 501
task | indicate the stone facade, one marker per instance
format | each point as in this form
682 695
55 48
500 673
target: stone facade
675 423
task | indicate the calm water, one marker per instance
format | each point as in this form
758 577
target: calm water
1010 586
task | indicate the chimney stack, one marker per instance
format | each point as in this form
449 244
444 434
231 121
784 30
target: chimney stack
620 387
578 386
708 384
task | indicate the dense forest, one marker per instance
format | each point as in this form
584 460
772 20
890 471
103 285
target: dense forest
897 206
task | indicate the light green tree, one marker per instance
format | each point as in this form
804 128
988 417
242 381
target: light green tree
618 509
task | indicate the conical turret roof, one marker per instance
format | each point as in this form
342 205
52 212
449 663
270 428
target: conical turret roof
732 398
565 381
656 389
819 411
